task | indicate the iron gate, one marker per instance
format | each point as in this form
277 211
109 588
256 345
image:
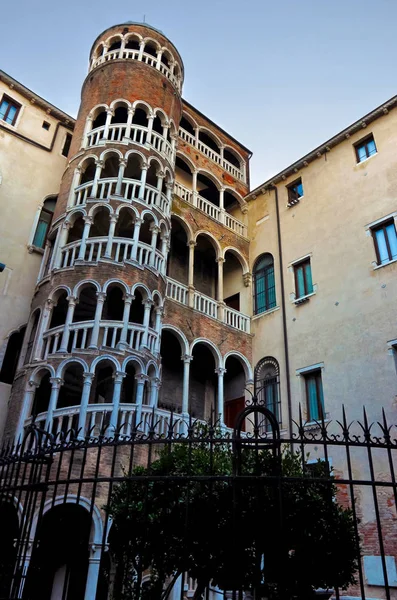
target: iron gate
207 513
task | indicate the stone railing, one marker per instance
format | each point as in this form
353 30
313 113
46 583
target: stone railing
152 61
212 308
212 154
98 417
210 209
122 250
81 337
137 134
130 190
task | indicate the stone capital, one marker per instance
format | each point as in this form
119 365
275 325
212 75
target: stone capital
72 300
187 358
247 279
220 371
220 260
88 219
119 376
56 382
114 218
88 377
101 296
141 378
192 243
128 298
49 303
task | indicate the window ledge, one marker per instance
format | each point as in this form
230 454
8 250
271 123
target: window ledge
32 248
316 424
265 312
366 159
389 262
303 299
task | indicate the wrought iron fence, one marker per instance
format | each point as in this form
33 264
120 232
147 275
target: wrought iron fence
203 513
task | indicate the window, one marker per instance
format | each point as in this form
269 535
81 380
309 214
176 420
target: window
385 240
295 192
314 396
267 384
9 110
303 278
46 125
11 356
44 222
264 284
365 148
66 145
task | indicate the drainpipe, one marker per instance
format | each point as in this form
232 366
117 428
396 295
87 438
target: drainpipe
285 334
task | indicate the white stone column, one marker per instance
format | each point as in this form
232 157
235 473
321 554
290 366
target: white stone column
169 187
122 166
160 178
85 398
221 205
86 232
140 386
44 260
94 562
45 316
122 48
109 115
191 288
143 182
130 116
220 372
63 237
66 329
146 318
153 243
174 145
154 391
186 375
73 186
221 308
149 129
118 382
99 167
26 409
194 188
135 237
112 227
159 311
56 383
87 129
128 298
101 296
159 53
141 48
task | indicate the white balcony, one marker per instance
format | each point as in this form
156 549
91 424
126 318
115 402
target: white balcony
152 61
208 306
109 334
210 209
125 134
130 189
122 250
98 418
211 154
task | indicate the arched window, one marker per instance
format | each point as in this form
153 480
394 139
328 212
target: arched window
11 356
264 284
267 383
44 223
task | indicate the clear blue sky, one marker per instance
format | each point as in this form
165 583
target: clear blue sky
282 76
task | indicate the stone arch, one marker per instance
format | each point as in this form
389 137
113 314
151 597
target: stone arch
235 195
187 160
119 282
243 262
249 374
213 348
180 335
103 358
60 288
115 103
96 110
143 105
86 159
141 287
75 214
218 184
137 153
214 241
152 364
98 205
110 152
157 298
34 377
84 282
151 214
136 360
236 154
68 361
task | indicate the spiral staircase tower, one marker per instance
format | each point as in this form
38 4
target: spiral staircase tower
97 310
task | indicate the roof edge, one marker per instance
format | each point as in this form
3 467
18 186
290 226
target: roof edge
337 139
64 118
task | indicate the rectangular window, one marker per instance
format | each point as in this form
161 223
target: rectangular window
314 396
385 240
9 110
46 125
303 278
66 145
295 191
365 148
